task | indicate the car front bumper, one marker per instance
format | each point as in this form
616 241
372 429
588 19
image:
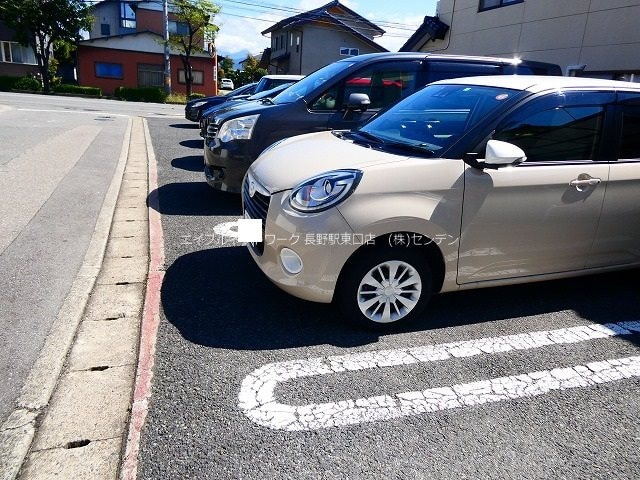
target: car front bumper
323 242
226 164
192 114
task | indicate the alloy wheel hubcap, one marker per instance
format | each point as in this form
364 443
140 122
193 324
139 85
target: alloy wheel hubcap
389 291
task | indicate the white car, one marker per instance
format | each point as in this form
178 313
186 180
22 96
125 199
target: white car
226 84
469 183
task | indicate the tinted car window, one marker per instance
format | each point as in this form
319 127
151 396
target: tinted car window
311 82
384 83
444 70
630 141
558 127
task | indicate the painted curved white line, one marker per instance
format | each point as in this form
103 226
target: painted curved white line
257 392
227 229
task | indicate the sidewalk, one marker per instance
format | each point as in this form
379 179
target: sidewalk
72 418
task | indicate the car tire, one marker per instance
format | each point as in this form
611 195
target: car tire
384 288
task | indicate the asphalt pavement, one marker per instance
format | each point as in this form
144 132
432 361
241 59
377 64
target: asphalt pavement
252 383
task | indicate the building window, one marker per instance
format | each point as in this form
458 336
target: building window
105 29
179 28
349 52
150 75
491 4
197 77
12 52
109 70
127 15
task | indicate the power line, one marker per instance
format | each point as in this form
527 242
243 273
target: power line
316 17
386 34
271 6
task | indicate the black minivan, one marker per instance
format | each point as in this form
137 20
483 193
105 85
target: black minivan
341 95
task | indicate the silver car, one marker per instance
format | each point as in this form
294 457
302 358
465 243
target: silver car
468 183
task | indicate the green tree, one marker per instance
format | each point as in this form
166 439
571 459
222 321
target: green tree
251 70
194 28
225 67
250 63
41 23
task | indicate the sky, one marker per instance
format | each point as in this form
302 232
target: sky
241 21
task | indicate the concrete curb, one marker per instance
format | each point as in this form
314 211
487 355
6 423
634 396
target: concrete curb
17 433
150 321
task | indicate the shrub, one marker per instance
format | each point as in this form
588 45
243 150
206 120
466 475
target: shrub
8 83
92 91
143 94
193 96
176 98
28 83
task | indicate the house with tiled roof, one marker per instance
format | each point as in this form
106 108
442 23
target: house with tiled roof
125 48
305 42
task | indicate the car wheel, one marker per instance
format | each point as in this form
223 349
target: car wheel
385 287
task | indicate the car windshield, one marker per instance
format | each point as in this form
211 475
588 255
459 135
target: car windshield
434 118
244 90
270 93
311 82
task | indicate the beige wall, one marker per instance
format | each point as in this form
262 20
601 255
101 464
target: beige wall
319 46
602 34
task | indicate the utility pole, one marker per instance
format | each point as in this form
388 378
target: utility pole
167 59
213 51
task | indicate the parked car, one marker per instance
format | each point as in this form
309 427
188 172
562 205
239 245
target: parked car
267 82
194 108
272 80
226 84
341 95
206 115
469 183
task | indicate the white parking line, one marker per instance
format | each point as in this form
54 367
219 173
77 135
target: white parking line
257 397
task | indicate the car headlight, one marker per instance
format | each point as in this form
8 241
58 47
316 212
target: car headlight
198 104
238 129
324 191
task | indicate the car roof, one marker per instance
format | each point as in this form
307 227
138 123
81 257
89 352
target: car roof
539 83
440 56
284 77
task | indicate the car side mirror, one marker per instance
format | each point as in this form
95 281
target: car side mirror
502 154
358 101
498 154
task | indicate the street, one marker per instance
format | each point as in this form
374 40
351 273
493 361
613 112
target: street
252 383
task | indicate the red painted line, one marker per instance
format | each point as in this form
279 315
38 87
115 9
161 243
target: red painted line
148 330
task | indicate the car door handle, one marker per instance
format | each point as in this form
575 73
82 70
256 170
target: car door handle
583 181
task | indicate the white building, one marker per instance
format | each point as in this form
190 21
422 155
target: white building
596 38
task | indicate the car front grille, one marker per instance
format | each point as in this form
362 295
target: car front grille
212 131
255 207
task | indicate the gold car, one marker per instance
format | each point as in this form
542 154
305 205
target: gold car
468 183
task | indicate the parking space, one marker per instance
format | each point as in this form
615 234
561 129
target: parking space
532 381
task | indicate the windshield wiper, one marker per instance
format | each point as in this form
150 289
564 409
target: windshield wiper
368 136
411 147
